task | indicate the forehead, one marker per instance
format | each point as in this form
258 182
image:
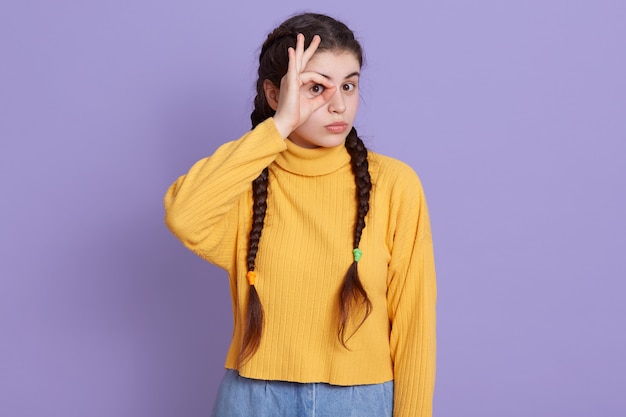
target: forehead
334 64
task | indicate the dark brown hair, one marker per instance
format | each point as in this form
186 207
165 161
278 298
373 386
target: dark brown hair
273 64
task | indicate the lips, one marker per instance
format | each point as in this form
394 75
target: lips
337 127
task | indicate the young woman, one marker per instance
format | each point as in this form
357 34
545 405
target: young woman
327 246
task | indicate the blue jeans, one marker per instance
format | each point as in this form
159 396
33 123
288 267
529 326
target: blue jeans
245 397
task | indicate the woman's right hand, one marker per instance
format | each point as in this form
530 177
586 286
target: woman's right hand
297 99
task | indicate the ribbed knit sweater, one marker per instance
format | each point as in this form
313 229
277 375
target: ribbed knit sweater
304 252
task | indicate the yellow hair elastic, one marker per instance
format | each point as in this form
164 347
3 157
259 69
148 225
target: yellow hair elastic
357 254
251 275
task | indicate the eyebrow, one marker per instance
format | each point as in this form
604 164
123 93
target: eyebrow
352 74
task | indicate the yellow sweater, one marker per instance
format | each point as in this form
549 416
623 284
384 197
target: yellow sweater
304 252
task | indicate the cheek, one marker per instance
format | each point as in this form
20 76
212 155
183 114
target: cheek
353 104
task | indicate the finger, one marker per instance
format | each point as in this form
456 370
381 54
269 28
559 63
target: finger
291 76
299 51
292 67
308 53
328 93
310 77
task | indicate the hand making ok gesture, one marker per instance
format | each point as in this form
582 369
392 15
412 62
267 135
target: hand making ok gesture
301 92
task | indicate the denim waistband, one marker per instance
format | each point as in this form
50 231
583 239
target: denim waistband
245 397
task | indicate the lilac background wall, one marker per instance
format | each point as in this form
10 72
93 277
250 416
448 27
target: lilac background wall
513 114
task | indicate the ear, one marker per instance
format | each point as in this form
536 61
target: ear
271 94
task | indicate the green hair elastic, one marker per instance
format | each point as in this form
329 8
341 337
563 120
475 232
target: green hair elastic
357 254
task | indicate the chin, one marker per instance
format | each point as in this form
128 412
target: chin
332 142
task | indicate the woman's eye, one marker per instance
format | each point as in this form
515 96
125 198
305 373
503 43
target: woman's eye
317 89
348 88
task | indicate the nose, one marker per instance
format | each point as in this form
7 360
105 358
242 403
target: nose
337 104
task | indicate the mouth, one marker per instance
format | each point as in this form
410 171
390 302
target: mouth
337 127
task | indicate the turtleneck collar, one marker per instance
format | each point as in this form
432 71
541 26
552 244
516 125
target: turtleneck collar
312 162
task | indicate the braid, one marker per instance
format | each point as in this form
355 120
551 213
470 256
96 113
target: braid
259 192
254 313
272 67
280 39
261 112
352 293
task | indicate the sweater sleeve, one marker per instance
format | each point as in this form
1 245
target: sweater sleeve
201 206
412 297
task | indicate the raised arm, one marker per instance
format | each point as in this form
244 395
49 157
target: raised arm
200 207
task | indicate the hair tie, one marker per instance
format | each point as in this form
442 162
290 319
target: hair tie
357 254
251 275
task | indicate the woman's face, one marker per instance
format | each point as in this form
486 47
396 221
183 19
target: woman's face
329 125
